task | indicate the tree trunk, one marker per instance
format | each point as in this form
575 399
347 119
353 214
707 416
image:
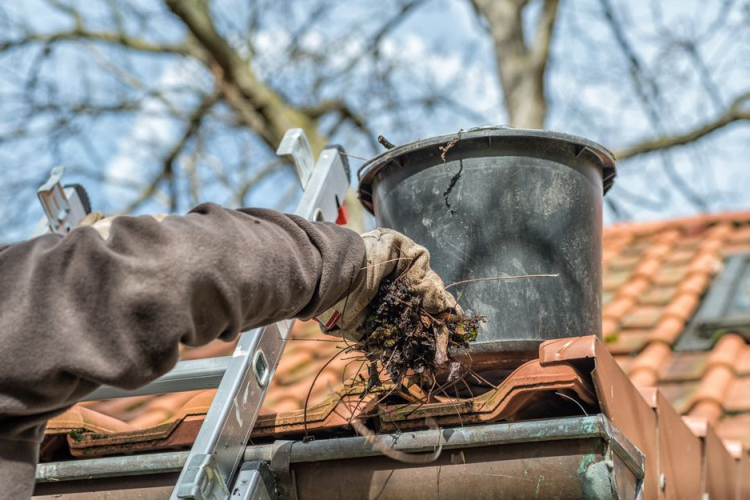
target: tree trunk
521 66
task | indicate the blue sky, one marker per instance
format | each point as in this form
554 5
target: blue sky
440 45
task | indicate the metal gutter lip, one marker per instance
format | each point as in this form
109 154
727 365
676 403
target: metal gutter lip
595 426
533 431
95 468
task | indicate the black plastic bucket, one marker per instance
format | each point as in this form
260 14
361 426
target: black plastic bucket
501 202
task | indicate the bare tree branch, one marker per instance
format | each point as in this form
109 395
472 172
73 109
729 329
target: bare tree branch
650 96
259 106
346 113
401 15
735 113
194 123
543 35
167 172
79 34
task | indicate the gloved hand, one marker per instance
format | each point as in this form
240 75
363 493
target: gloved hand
390 254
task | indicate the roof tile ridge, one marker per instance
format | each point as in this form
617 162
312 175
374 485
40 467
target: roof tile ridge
647 366
707 401
708 409
650 227
727 352
163 408
668 330
79 417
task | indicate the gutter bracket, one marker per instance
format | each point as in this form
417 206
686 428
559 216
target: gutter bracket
281 460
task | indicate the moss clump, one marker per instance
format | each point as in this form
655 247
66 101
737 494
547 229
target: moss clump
77 435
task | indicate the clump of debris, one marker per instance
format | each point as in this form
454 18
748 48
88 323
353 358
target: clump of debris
402 338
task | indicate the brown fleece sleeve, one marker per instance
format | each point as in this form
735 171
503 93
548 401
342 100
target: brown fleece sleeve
79 311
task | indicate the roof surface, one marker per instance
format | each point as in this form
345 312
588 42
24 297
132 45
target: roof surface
655 276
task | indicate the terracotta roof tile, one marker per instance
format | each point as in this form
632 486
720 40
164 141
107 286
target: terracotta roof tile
735 248
656 296
610 327
623 262
617 308
624 362
680 255
80 417
667 330
739 235
649 363
671 275
634 288
669 235
743 363
727 351
682 307
680 394
648 267
685 366
695 284
709 263
738 397
659 250
714 385
707 410
627 341
615 279
163 408
642 317
735 427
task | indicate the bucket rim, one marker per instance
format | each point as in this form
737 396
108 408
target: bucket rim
367 172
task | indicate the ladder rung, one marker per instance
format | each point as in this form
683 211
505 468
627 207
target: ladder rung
188 375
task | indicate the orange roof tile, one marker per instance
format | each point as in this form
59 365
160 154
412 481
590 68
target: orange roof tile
655 275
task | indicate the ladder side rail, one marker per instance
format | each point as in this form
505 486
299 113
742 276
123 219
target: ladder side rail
219 446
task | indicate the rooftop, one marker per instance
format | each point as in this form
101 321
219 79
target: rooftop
656 275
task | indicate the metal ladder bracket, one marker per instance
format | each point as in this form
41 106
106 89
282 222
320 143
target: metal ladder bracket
254 482
295 146
202 481
64 206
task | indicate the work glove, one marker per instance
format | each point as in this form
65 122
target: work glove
392 255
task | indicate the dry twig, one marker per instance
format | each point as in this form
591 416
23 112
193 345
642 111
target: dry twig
494 278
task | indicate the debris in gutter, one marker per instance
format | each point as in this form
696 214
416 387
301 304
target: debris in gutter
401 456
401 338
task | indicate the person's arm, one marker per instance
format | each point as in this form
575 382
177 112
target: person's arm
79 311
